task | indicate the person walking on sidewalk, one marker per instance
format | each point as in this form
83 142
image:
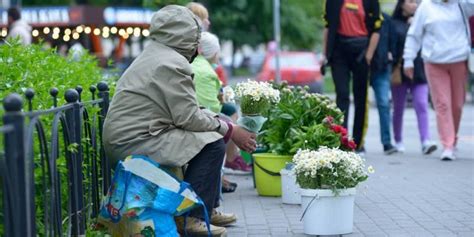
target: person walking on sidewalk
440 28
401 84
154 112
349 41
380 81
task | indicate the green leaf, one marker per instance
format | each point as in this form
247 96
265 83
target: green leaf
286 116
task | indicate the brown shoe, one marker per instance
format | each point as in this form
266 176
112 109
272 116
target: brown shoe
222 219
197 227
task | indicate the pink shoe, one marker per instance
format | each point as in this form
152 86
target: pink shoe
237 166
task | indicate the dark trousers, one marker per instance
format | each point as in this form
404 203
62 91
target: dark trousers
348 62
204 175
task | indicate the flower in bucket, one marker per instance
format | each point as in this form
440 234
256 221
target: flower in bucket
329 168
347 143
255 99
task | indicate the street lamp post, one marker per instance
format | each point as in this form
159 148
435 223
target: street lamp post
276 26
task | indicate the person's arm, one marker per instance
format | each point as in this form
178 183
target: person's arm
324 48
375 24
374 41
325 33
180 98
413 41
392 39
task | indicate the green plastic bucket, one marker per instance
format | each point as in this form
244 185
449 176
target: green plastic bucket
267 169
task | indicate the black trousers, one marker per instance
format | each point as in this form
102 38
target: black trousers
204 175
348 62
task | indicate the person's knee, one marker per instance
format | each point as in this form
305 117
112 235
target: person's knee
216 149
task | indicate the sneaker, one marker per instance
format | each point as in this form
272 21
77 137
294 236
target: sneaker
400 147
360 151
447 155
197 227
389 149
428 147
222 219
237 166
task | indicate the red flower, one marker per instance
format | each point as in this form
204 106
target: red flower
352 145
343 131
339 129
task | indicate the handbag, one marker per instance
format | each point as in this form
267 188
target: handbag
397 74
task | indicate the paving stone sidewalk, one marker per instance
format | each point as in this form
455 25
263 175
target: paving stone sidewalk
409 195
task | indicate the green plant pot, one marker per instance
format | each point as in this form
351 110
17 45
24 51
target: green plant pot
267 169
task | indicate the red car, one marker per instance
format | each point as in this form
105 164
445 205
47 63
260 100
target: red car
297 68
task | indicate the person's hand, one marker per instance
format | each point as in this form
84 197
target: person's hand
244 139
368 57
409 72
323 60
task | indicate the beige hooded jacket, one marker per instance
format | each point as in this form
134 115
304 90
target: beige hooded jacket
154 110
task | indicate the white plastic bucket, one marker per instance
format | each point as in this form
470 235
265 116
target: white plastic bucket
328 214
290 190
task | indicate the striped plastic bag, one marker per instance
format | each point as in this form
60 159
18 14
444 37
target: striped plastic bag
143 200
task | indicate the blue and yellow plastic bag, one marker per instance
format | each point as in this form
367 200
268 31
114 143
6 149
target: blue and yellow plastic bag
143 200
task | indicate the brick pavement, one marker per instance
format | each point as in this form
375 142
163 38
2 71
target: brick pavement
409 195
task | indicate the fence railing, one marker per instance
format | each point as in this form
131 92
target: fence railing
47 151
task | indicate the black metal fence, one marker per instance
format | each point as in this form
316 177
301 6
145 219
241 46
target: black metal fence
34 150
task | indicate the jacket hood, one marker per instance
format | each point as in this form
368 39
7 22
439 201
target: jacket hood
21 24
178 28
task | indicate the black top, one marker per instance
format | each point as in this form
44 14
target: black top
373 20
400 26
387 44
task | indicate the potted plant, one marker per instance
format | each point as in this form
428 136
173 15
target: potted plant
328 178
298 109
255 98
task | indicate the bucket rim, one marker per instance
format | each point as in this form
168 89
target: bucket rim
327 192
271 156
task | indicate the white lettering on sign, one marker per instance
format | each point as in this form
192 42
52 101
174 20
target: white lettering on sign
46 15
113 16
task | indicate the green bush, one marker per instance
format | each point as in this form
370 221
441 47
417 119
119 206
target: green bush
33 66
42 69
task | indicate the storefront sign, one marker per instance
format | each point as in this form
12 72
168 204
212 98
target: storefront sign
41 15
119 16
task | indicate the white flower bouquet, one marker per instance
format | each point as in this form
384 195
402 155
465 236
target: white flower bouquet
255 99
329 168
